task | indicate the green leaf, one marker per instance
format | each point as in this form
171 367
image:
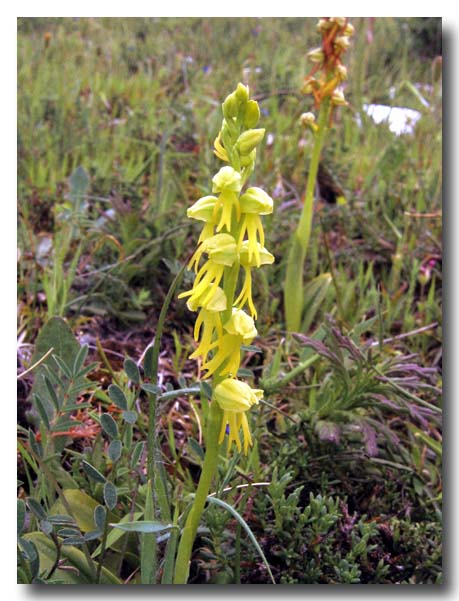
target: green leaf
196 448
20 516
136 453
314 295
81 506
46 527
86 370
52 393
109 425
148 544
132 371
41 411
206 390
144 527
34 445
150 388
110 495
244 524
115 534
251 348
129 416
62 365
74 540
36 508
79 185
172 394
93 535
59 519
117 396
147 361
93 473
434 445
80 359
29 549
57 335
100 514
68 532
114 450
82 574
242 372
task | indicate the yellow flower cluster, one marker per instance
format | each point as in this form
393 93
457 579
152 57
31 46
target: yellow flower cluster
232 238
328 71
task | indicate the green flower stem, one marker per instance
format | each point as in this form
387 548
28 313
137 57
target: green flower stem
182 564
293 285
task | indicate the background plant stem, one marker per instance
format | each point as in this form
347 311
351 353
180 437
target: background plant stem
293 285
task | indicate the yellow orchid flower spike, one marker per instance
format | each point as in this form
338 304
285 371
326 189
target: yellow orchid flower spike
232 239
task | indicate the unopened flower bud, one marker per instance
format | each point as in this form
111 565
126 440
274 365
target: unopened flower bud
341 71
349 30
252 114
324 25
256 200
230 106
340 21
316 55
310 84
342 43
202 209
242 93
227 179
249 159
337 98
308 119
241 324
249 140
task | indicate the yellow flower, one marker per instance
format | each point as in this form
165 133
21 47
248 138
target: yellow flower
203 210
227 179
205 285
227 183
222 252
254 202
235 398
227 200
209 325
241 324
240 329
251 258
221 249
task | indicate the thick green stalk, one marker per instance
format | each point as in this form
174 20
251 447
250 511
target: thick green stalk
293 285
182 564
